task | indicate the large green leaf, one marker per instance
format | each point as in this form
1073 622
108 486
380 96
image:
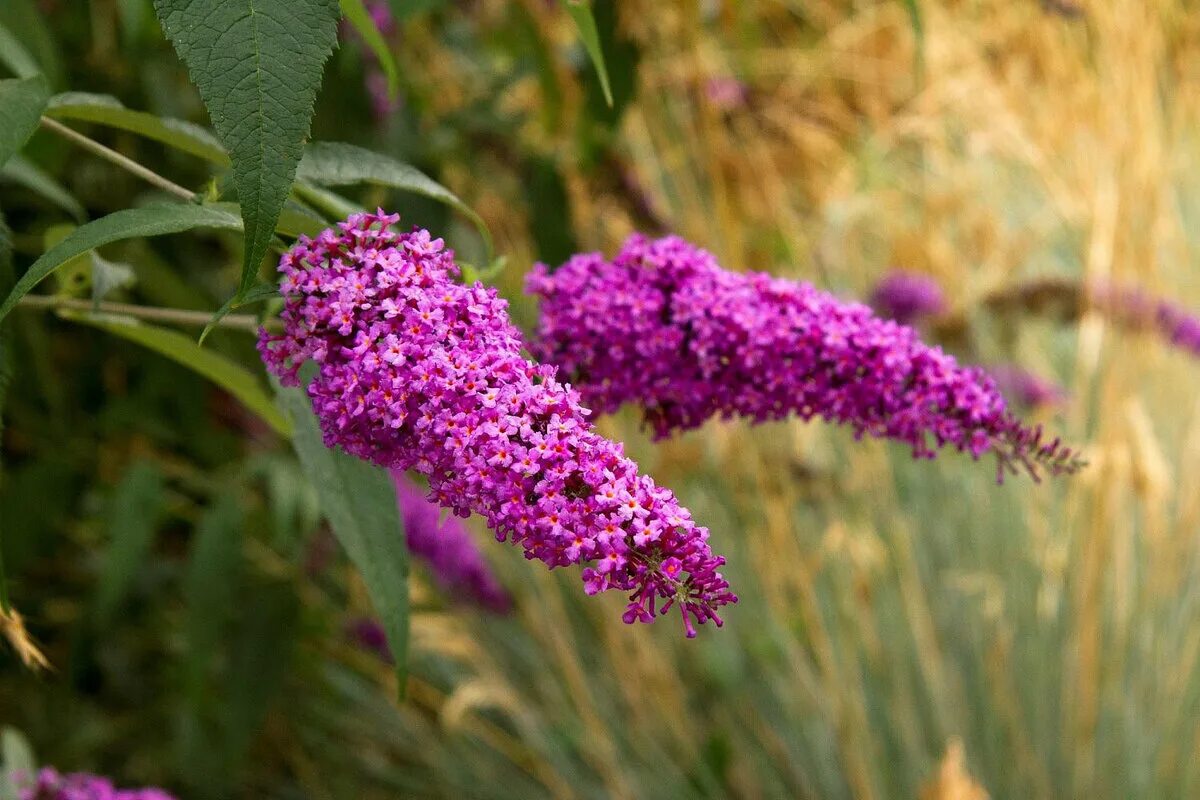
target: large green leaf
258 65
359 501
22 101
228 374
339 164
152 220
104 109
133 514
24 172
581 13
358 16
14 55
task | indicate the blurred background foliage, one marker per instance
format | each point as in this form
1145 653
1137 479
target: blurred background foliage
905 629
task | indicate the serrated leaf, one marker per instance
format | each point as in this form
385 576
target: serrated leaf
14 55
226 373
24 172
359 501
358 16
152 220
22 101
340 164
258 65
107 110
581 13
133 514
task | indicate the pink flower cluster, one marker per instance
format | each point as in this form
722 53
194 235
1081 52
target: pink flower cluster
417 371
664 326
448 549
50 785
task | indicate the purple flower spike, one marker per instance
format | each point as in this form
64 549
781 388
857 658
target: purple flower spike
908 297
664 326
1025 388
50 785
417 371
448 549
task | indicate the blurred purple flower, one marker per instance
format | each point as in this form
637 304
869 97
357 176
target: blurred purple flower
1137 309
448 549
664 326
726 93
50 785
383 105
368 634
908 297
1024 388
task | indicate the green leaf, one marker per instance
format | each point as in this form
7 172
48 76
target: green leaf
133 514
256 294
24 172
152 220
359 501
14 55
16 756
22 101
104 109
358 16
258 65
325 201
228 374
26 21
581 13
339 164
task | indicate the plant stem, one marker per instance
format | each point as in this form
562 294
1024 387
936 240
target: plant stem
177 316
124 162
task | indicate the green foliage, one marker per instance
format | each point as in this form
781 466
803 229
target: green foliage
22 171
22 101
133 515
153 220
229 375
258 65
581 13
360 503
338 164
107 110
357 15
14 55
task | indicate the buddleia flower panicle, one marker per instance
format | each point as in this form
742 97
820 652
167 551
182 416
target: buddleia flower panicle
48 784
447 548
908 297
662 325
417 371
